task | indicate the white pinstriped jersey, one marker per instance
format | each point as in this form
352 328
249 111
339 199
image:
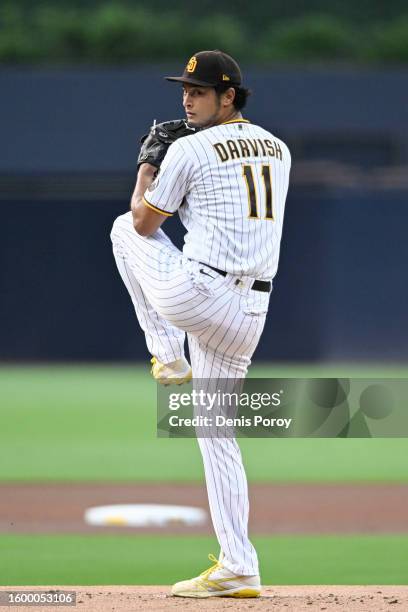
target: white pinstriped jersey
229 185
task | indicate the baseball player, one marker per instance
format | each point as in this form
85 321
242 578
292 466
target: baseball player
228 180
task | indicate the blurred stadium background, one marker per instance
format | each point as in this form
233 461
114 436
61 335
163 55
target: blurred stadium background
80 83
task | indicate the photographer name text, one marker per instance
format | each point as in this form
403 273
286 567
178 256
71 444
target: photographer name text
222 421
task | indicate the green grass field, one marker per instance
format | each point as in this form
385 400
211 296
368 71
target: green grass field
99 423
82 423
36 560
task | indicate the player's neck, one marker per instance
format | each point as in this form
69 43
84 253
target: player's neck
231 116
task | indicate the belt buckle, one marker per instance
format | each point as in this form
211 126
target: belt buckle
239 283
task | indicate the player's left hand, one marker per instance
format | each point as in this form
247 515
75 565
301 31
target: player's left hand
157 141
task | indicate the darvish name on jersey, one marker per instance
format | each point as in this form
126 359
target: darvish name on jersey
229 184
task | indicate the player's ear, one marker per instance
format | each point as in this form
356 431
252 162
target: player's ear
229 96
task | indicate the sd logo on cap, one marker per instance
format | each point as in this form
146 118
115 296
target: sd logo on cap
191 66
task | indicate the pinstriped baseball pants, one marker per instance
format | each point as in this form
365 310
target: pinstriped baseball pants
172 297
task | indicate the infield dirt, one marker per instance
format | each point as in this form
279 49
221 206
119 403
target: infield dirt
275 508
273 599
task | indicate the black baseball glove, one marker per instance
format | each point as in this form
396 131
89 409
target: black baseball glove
157 141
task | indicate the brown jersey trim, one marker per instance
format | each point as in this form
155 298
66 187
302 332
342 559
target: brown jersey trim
158 210
236 121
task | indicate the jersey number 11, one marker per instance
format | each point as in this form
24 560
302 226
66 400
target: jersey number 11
248 174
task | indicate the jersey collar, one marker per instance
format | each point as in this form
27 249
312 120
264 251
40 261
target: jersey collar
236 121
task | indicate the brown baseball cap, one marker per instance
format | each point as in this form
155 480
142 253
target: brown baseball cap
210 68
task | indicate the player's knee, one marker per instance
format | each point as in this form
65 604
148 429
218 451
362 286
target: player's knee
114 231
119 226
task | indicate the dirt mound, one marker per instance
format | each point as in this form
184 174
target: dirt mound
278 599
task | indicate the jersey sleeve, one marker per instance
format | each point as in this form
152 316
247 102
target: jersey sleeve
172 183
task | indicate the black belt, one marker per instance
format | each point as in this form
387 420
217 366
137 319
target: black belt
258 285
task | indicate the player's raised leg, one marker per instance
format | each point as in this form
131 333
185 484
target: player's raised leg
164 341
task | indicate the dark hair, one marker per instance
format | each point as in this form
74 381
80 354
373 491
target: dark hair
241 94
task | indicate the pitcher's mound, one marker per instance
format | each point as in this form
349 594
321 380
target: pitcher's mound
275 599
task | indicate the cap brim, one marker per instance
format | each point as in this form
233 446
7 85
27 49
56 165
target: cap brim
191 81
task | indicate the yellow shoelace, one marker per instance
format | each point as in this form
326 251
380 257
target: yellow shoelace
153 361
216 565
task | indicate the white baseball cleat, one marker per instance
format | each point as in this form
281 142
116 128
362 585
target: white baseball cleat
176 372
217 581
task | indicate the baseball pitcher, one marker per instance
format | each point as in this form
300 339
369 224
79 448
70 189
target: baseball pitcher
227 179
